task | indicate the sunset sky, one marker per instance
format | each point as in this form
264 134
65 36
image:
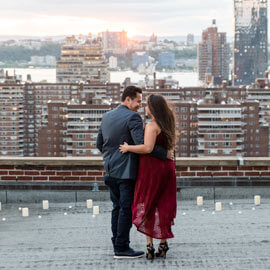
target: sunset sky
140 17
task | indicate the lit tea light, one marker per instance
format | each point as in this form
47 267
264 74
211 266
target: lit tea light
253 208
240 212
20 209
218 206
213 213
199 200
203 210
184 214
65 214
39 216
45 204
257 200
95 210
231 203
25 212
4 219
89 203
70 207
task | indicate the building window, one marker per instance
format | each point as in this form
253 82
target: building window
212 151
183 109
212 136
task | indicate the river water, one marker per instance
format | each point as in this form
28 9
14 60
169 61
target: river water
44 74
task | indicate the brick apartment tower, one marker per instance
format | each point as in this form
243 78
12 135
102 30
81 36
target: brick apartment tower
213 56
11 119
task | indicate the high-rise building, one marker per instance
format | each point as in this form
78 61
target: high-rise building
153 38
250 41
71 127
213 56
190 40
82 62
113 62
115 42
11 119
36 99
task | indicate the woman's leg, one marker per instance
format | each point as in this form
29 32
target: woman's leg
163 241
150 251
162 248
149 240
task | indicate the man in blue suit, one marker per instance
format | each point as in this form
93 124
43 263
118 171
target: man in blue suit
120 125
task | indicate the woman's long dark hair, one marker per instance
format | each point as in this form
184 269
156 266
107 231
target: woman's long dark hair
164 117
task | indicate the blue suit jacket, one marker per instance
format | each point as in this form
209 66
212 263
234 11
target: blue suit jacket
118 126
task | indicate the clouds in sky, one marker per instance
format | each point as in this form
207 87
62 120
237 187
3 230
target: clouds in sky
59 17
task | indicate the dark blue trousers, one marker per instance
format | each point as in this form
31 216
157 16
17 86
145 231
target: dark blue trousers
122 194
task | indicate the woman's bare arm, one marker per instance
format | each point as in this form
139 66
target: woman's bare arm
150 135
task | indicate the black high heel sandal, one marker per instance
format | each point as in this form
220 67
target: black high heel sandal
150 252
162 250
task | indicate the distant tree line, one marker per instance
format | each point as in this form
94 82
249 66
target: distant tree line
22 54
183 54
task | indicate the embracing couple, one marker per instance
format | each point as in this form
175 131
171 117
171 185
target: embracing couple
140 172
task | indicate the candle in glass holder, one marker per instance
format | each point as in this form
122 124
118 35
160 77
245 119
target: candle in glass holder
218 206
257 200
45 205
25 212
95 210
199 200
89 203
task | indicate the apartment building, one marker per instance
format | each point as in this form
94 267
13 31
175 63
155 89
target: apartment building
82 62
115 42
11 118
213 56
71 129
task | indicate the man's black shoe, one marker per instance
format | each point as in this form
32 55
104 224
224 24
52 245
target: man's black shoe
128 254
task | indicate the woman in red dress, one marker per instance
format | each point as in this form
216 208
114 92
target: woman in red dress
154 205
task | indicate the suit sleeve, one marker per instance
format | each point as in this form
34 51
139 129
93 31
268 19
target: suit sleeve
135 126
99 142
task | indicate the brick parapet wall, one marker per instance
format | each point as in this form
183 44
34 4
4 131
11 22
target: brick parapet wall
89 170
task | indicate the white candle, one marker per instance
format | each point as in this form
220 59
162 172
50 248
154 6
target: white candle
0 206
95 210
89 203
45 205
199 200
218 206
25 212
257 200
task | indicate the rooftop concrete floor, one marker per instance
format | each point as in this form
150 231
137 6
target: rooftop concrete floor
224 240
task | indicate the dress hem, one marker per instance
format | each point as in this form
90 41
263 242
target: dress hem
151 235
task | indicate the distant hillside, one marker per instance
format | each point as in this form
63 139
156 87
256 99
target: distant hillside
22 54
178 39
54 38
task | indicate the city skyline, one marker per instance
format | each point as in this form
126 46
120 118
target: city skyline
38 18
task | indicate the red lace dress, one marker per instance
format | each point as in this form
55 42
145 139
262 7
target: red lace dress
154 205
